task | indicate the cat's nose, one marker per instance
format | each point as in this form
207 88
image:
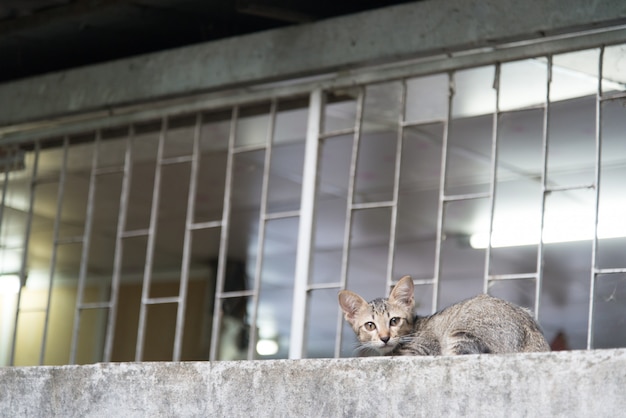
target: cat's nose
385 339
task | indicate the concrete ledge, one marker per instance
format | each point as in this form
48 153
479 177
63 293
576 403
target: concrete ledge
580 383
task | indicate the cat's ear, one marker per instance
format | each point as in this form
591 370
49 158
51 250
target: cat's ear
350 304
402 292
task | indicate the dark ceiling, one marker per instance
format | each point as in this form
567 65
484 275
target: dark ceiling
40 36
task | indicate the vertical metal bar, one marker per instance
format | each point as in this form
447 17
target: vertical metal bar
187 241
441 209
5 186
396 188
306 228
598 157
494 174
261 234
29 223
152 229
221 263
345 260
55 248
544 186
119 246
82 275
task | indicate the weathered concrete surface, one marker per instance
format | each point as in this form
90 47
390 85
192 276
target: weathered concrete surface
582 383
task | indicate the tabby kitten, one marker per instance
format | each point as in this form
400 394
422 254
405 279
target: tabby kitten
482 324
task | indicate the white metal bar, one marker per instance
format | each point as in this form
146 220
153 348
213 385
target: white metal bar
69 240
235 294
493 175
417 124
50 179
260 249
345 259
248 148
609 271
152 227
544 186
396 188
282 215
371 205
55 248
550 189
613 96
119 245
321 286
187 241
306 228
136 233
441 207
338 132
84 258
29 224
110 170
177 160
424 282
467 196
163 300
5 186
94 305
513 276
598 162
205 225
221 263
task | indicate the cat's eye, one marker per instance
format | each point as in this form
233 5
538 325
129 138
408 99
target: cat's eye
394 321
370 326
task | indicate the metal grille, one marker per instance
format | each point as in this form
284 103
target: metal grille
214 228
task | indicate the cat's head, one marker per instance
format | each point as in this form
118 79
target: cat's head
381 323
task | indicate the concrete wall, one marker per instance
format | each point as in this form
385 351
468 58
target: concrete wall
399 32
582 383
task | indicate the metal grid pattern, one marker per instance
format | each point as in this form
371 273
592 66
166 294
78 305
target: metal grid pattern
303 286
445 198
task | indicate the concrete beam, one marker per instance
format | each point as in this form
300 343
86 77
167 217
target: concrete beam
572 384
399 32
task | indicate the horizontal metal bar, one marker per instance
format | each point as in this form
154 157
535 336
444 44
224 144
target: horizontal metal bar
205 225
567 188
95 305
32 310
538 106
467 196
176 160
45 180
238 294
69 240
136 233
422 282
109 170
607 97
282 215
320 286
521 276
372 205
598 271
249 148
159 301
415 124
338 132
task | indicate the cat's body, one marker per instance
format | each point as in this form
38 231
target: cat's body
482 324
